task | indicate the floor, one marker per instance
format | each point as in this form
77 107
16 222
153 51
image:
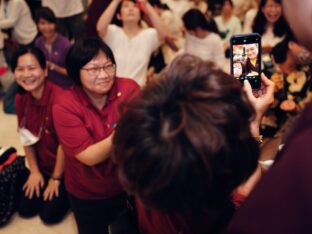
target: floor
18 225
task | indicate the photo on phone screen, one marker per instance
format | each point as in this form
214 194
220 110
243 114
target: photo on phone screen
246 58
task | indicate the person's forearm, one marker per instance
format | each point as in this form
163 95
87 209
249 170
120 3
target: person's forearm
156 21
6 23
58 69
106 17
255 128
59 164
96 153
31 159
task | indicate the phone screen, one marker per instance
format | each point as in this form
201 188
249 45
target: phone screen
246 58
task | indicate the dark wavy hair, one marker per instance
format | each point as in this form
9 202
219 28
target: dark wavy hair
185 142
260 23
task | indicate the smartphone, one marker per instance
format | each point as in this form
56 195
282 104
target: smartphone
245 56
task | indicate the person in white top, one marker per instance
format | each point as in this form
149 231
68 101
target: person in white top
200 5
175 27
70 16
131 44
228 24
178 7
202 38
270 23
15 14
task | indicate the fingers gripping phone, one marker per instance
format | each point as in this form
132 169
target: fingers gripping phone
246 58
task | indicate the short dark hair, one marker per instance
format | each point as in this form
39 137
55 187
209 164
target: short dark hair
194 18
39 55
185 142
260 23
45 13
82 52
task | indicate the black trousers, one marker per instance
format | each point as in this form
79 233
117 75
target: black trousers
94 216
49 211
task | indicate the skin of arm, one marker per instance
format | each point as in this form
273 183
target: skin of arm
97 152
13 17
54 182
155 20
57 68
106 17
261 103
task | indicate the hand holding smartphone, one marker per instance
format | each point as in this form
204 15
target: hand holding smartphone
246 58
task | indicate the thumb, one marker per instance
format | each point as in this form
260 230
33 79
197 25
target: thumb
248 90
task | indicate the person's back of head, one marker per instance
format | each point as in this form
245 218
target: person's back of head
185 142
194 18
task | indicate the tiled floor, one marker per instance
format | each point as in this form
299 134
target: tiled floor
18 225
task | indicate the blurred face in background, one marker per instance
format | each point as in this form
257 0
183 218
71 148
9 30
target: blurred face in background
238 69
29 74
46 28
252 51
227 8
129 12
272 11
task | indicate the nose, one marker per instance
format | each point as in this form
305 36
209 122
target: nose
26 72
102 72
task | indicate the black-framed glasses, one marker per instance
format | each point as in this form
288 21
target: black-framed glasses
95 71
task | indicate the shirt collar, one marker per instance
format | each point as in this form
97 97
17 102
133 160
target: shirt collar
44 100
85 100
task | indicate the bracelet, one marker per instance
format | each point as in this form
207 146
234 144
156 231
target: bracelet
55 178
259 139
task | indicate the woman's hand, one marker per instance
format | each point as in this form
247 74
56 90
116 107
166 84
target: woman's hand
51 190
261 101
33 184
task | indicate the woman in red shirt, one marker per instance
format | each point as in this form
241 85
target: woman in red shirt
44 190
85 118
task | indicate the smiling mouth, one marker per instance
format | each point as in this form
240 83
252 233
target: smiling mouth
28 81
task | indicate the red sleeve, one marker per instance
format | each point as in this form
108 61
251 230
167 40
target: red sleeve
19 104
71 131
237 200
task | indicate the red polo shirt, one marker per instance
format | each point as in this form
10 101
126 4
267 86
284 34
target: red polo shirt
80 124
35 114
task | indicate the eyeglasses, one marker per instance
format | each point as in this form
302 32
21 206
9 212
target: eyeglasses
95 71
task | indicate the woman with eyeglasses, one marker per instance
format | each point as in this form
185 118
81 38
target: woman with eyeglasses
43 190
85 118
